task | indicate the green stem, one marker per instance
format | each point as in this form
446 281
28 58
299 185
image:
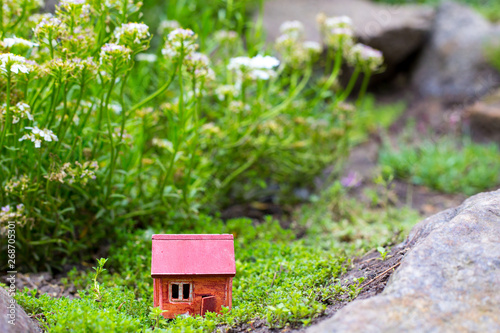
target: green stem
80 96
273 112
331 80
364 87
350 85
7 111
156 93
110 133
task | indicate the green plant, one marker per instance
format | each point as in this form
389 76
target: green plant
156 315
383 252
445 165
98 135
492 52
98 270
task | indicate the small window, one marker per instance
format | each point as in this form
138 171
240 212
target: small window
186 291
180 292
175 291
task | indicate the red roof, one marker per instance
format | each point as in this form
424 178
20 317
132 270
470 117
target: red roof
193 255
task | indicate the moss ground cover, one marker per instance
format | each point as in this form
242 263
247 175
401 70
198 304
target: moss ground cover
282 280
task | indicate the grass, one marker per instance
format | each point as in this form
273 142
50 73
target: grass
445 165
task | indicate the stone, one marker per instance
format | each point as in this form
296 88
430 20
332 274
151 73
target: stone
447 281
23 323
484 118
452 64
397 31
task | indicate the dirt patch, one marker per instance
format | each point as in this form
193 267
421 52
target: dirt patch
46 283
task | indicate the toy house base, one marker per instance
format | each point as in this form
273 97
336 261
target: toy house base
192 274
207 294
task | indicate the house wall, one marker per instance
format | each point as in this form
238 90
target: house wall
220 287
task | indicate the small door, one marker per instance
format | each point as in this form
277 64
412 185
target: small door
208 304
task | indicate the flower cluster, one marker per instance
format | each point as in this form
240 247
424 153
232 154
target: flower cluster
19 111
199 65
226 91
49 29
78 8
80 173
37 136
337 31
17 185
162 143
11 63
11 214
294 29
131 33
256 68
294 52
166 26
115 58
368 58
146 57
238 107
16 41
180 42
226 36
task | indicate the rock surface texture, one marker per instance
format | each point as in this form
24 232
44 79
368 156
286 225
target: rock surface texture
397 31
23 323
484 117
447 282
452 64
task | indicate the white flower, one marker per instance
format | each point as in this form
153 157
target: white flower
46 25
19 111
338 22
226 36
238 63
10 42
111 50
294 29
179 40
258 67
72 2
37 135
264 62
226 90
167 26
147 57
137 31
313 47
13 63
163 143
337 31
367 57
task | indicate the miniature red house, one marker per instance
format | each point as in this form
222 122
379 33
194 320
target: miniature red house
192 274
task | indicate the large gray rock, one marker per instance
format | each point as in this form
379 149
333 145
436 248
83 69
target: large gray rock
12 311
447 282
397 31
452 64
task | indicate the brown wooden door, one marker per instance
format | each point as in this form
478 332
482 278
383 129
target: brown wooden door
207 304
